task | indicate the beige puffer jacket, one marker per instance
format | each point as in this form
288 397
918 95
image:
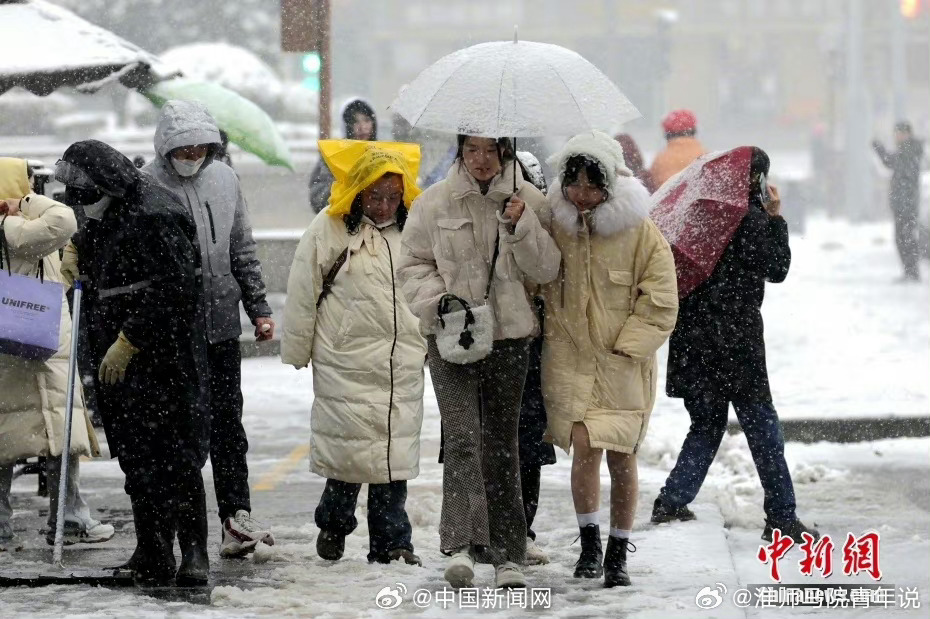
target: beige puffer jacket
448 245
366 350
616 293
33 393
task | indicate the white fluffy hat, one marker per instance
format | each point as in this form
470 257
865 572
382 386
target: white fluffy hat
598 146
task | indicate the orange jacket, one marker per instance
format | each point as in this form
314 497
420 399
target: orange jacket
677 156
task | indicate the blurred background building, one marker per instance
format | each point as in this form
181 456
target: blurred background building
812 81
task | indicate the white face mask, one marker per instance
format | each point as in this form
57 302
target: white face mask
98 208
187 168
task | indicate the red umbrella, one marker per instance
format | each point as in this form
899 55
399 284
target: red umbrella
700 210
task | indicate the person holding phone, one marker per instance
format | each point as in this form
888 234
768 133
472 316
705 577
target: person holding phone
717 357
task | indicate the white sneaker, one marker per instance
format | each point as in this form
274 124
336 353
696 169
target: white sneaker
241 534
91 532
461 568
534 554
509 576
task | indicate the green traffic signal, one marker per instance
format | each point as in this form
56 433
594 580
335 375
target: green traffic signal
311 64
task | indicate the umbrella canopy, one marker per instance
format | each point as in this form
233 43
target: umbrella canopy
44 47
245 123
514 88
699 211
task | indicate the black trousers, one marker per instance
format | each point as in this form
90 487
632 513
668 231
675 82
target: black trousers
161 448
905 236
530 474
388 525
228 442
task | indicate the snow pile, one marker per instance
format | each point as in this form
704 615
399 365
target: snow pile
234 67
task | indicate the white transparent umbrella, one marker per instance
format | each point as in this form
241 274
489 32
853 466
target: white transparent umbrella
514 88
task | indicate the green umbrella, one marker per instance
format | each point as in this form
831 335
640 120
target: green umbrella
245 123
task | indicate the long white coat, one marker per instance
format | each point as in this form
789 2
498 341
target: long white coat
33 393
367 354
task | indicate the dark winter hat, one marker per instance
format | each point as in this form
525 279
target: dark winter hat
353 107
904 127
110 170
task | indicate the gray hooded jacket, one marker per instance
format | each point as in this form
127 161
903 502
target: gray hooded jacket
231 271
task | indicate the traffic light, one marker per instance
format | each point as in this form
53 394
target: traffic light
911 8
311 65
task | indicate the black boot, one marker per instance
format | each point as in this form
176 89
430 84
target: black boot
330 545
130 563
154 565
792 529
665 513
191 514
589 563
615 562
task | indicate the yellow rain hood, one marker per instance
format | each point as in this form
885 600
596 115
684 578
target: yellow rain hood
356 164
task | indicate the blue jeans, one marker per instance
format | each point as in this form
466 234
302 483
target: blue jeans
388 525
766 442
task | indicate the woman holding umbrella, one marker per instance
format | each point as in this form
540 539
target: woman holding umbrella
613 305
480 235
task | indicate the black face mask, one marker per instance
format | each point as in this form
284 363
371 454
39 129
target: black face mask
76 196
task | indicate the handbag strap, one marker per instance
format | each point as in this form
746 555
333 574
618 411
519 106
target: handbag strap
330 278
444 302
5 249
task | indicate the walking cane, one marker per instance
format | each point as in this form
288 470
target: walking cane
66 442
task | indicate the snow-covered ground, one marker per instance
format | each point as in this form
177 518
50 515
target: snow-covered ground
844 341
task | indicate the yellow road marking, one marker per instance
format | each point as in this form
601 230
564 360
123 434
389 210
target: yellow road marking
282 468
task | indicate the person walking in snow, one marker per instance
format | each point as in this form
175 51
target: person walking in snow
534 451
904 194
717 356
359 123
33 393
607 313
138 251
680 127
345 313
634 160
187 142
480 235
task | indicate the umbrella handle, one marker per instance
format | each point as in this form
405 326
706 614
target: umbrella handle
515 158
66 441
512 227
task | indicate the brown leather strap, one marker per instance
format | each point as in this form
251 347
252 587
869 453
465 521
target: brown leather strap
331 276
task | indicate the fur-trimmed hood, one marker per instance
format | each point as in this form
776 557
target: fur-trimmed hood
598 146
626 207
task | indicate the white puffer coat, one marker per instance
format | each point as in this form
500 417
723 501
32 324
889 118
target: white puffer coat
366 350
33 393
449 247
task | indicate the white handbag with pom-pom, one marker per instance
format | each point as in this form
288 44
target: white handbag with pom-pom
467 335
